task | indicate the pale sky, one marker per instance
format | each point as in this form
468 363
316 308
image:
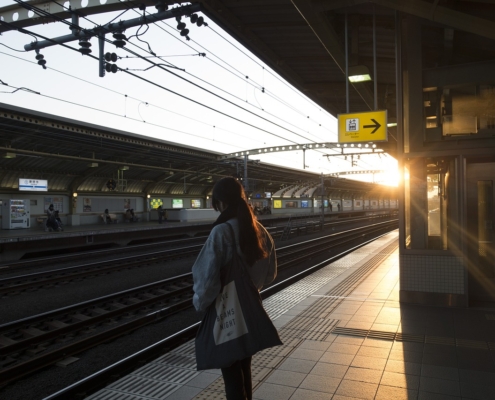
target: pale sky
227 101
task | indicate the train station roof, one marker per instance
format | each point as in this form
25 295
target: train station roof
78 157
304 42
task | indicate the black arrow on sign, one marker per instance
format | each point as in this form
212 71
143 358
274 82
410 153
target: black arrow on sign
376 126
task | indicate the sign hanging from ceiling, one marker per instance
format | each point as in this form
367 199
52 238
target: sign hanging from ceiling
35 185
370 126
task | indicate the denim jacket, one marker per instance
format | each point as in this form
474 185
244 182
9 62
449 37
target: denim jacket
217 253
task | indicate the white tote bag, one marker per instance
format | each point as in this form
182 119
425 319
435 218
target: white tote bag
230 323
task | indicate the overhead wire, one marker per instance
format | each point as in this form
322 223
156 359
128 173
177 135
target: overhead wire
180 77
262 66
241 75
133 98
166 89
228 101
11 48
71 25
257 85
125 116
199 87
33 8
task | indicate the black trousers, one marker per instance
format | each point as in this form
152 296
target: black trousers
237 378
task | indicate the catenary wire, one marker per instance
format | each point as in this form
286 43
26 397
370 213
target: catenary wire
186 80
22 30
195 85
241 75
42 12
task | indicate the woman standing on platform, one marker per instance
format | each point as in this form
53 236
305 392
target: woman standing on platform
235 234
161 215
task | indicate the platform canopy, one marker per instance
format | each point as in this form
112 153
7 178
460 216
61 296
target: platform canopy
77 157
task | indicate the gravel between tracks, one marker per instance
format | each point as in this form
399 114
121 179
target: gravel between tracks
52 379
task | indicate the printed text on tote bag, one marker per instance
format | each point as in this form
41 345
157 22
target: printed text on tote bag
230 323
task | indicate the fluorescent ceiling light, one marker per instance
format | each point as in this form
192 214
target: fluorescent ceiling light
359 73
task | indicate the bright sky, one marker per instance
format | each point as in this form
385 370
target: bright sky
225 101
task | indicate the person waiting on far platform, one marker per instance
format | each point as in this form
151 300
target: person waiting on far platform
50 211
106 216
161 214
128 215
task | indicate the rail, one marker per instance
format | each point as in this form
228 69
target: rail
34 343
112 372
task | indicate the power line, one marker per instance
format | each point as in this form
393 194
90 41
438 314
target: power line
260 65
226 100
169 90
71 25
11 48
231 94
116 114
243 76
131 97
194 100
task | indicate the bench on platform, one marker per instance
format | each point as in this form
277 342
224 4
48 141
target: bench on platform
113 218
129 218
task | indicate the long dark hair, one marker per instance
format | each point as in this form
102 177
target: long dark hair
251 238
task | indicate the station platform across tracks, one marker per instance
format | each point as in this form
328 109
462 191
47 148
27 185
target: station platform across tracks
18 244
39 233
346 336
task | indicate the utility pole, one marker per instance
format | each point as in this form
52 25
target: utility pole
246 173
322 218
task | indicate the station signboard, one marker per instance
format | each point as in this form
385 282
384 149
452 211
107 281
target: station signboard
370 126
35 185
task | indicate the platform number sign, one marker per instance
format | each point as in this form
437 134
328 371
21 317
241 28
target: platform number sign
155 203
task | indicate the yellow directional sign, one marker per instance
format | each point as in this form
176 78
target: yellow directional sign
368 126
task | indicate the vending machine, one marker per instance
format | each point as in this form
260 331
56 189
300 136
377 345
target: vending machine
15 214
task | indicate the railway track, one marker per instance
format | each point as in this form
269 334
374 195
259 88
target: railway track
21 283
112 373
18 266
275 231
38 341
18 284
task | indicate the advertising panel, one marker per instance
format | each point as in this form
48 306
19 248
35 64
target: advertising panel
177 203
